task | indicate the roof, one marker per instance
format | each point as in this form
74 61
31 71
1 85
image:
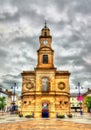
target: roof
28 73
62 73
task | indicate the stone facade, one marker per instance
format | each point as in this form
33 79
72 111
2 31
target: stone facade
45 88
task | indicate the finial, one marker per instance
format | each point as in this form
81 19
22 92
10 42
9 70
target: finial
45 24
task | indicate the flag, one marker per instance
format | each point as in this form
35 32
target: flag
79 98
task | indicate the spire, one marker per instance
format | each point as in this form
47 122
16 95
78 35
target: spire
45 24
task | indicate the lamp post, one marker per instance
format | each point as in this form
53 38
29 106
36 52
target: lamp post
14 93
13 107
79 97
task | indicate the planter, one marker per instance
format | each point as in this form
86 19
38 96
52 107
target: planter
28 116
20 115
70 115
61 116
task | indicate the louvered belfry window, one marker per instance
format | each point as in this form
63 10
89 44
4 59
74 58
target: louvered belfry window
45 59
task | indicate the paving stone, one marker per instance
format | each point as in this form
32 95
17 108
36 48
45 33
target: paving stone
44 125
15 123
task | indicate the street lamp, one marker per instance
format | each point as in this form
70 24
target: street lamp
14 93
13 107
79 97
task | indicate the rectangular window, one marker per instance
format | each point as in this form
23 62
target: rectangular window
45 59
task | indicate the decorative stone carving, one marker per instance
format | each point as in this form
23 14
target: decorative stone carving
61 85
29 85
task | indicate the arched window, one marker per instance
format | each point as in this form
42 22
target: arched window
45 59
45 84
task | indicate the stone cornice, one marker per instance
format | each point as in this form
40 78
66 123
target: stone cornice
62 73
28 73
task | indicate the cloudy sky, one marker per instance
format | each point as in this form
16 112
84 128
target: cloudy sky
21 22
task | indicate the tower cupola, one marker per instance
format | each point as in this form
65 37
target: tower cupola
45 37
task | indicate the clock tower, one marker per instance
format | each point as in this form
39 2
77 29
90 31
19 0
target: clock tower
45 52
45 91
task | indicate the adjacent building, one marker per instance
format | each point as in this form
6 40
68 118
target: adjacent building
74 103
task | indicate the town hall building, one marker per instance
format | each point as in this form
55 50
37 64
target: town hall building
45 90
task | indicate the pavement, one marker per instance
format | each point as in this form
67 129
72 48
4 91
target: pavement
14 122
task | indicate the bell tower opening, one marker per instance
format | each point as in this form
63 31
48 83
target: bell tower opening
45 59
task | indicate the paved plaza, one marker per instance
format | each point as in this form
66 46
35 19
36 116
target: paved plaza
13 122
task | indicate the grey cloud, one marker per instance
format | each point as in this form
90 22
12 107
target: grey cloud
9 80
84 7
3 53
9 19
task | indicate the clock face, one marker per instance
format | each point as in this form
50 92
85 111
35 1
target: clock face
45 42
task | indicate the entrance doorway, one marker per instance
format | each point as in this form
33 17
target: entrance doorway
45 110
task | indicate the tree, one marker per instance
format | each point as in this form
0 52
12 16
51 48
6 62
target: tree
88 103
2 103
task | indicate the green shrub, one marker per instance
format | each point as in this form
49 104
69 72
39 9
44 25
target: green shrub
70 115
28 116
20 115
61 116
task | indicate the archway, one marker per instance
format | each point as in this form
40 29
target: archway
45 110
